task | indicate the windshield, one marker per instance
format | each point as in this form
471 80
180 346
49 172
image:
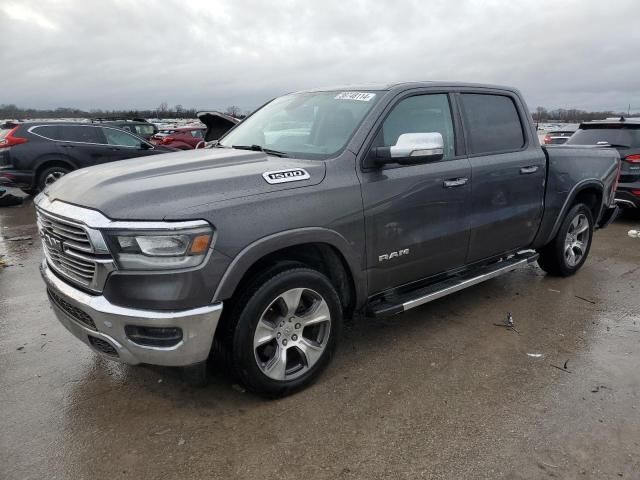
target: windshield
312 125
627 137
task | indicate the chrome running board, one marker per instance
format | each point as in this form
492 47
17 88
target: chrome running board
413 299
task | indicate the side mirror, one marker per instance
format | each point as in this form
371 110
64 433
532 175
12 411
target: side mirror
145 146
410 149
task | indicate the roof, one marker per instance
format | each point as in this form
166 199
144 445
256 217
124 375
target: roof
407 85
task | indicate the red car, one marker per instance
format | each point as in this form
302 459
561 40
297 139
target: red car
184 138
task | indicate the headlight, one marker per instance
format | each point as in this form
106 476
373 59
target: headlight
159 250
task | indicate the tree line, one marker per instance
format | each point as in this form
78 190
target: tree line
13 112
572 115
10 111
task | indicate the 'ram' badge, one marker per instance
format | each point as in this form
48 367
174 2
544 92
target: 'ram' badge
288 175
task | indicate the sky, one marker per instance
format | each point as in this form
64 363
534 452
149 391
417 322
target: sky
136 54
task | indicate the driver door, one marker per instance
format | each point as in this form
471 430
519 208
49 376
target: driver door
416 216
123 145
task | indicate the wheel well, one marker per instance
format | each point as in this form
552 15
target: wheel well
320 256
592 198
48 164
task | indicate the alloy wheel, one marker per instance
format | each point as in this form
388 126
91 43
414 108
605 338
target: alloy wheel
577 240
53 177
292 334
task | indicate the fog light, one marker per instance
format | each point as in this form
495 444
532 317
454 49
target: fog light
153 336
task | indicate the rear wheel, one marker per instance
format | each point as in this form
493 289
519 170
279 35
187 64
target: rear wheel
569 249
51 175
285 330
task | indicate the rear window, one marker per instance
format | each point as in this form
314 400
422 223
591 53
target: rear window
47 131
623 136
492 123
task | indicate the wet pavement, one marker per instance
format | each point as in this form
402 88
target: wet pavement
439 392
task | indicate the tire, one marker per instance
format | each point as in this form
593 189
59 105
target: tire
50 175
196 375
568 250
284 330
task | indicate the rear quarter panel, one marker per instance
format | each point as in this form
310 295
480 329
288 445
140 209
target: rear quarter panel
572 169
36 152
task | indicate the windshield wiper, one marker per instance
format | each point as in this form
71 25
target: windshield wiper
260 148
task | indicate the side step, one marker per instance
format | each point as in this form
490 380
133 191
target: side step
415 298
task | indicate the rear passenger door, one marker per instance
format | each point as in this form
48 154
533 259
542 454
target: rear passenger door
83 144
508 171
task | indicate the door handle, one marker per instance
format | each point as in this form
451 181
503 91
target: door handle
528 170
455 182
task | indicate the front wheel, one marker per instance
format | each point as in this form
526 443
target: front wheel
285 330
569 249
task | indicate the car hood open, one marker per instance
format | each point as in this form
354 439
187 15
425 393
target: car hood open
217 124
152 188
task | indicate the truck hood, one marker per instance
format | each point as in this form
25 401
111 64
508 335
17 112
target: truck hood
151 188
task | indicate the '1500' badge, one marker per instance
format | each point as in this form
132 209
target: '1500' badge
288 175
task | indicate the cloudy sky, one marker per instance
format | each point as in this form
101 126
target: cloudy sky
211 54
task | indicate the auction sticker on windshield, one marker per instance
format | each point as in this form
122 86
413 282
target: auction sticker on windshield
360 96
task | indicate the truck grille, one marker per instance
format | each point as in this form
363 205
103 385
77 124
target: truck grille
67 248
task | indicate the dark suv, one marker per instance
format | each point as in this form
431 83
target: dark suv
35 154
624 135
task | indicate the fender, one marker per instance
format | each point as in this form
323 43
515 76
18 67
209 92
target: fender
289 238
542 238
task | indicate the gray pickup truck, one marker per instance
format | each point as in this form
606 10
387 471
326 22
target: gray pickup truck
321 204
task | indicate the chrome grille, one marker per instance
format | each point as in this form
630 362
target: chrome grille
68 249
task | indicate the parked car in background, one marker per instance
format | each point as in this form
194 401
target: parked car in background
318 205
624 135
138 126
34 155
560 135
217 124
182 138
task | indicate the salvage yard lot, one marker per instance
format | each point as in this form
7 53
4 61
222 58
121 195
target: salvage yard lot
439 392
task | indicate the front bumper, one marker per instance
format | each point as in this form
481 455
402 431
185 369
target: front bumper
69 304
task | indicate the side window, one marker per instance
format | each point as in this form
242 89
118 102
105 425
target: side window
118 137
196 133
419 114
48 131
80 134
492 123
